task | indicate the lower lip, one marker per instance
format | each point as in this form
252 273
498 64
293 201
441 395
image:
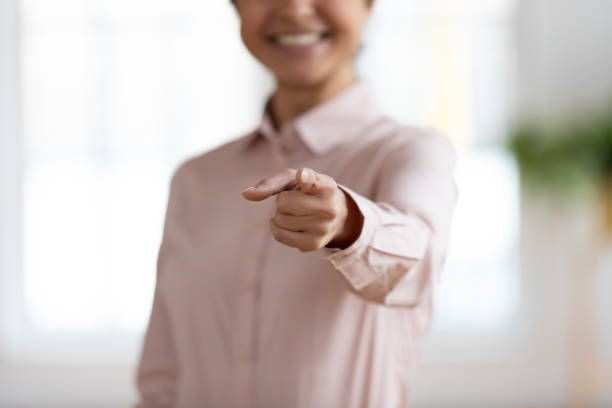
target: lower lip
303 50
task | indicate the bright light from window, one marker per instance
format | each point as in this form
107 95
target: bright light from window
479 289
117 93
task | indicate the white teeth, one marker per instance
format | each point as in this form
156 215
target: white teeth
298 39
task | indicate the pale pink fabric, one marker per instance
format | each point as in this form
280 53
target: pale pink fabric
240 320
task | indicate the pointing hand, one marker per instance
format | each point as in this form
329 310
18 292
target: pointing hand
311 210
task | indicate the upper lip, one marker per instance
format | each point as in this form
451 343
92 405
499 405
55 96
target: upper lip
297 32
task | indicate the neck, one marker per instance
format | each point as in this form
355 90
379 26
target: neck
289 100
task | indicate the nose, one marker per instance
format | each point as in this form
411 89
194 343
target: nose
297 9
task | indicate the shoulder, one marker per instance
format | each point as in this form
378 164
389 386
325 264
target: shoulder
417 145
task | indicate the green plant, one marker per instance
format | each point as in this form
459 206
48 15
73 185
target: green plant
564 157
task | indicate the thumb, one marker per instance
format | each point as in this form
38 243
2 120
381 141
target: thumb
314 183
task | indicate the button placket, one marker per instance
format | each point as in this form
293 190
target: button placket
247 356
251 289
251 284
278 151
255 288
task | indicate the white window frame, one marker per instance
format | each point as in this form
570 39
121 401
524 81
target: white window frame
10 176
28 379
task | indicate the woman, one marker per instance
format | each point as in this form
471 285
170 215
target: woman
319 296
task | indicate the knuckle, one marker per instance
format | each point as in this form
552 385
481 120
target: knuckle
331 211
280 221
322 229
276 232
335 211
320 243
277 237
328 228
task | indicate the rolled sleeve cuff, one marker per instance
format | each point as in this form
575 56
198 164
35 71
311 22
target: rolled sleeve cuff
352 261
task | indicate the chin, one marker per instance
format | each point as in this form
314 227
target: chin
300 78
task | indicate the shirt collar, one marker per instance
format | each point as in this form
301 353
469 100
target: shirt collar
328 124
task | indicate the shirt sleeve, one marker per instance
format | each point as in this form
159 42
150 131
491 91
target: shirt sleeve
157 370
402 245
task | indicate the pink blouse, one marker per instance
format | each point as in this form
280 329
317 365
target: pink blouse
240 320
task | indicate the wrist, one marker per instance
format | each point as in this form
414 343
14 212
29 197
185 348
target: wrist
352 225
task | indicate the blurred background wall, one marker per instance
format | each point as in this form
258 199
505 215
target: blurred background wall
564 58
97 96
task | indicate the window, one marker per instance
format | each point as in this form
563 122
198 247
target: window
114 94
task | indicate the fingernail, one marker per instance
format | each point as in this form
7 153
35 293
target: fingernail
305 176
248 189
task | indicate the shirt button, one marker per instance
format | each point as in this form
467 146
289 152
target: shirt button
251 285
247 356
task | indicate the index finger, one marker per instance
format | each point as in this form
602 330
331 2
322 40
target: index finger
285 180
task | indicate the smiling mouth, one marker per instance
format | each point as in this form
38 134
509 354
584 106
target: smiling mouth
299 40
